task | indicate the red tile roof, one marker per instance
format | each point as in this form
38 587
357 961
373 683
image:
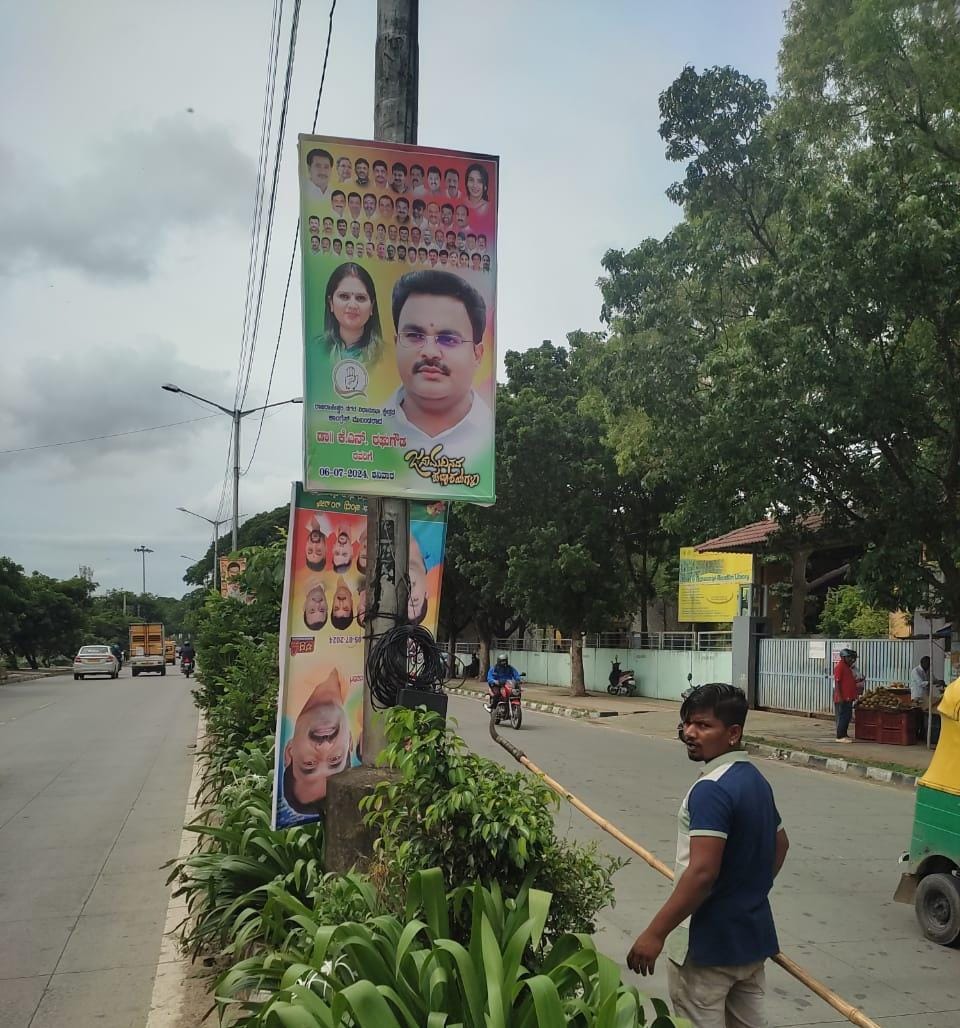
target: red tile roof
754 535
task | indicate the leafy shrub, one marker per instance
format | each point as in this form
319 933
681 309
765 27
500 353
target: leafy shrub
238 855
398 973
477 822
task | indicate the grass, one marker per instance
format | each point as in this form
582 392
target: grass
847 755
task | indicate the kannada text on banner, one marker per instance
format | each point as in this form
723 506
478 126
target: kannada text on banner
710 584
399 304
320 706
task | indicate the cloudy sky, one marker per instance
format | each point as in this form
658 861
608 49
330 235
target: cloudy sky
128 163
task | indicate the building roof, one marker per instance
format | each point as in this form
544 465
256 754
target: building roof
755 535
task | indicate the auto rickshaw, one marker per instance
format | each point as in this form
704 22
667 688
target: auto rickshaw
933 881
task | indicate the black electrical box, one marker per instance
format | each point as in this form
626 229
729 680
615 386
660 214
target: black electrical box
435 701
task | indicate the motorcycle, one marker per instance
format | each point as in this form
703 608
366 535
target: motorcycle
621 683
186 666
509 705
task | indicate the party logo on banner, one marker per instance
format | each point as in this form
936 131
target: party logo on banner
320 706
399 304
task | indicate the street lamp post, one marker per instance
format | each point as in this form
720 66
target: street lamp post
236 416
216 523
143 551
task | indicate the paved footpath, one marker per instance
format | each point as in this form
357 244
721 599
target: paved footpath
93 786
833 901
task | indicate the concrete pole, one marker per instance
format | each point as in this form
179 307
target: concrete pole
216 562
397 74
237 415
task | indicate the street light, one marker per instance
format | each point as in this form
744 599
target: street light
143 551
216 522
236 416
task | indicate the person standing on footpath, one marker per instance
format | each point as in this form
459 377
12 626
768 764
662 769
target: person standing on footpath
846 688
717 925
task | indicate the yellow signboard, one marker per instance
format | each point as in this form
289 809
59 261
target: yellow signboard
710 584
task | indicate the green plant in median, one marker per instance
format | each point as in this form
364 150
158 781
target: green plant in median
390 972
477 822
238 855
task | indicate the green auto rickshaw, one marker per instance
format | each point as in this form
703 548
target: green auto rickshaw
933 881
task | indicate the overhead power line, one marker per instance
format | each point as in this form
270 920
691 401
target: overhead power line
296 237
109 435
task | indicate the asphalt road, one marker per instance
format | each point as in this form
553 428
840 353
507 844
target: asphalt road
93 786
832 902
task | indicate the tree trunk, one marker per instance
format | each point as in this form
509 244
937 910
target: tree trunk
484 654
577 686
798 592
644 595
451 651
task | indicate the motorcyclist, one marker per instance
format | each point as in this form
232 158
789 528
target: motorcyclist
187 652
498 675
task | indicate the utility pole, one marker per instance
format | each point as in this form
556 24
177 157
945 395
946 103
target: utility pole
237 415
397 75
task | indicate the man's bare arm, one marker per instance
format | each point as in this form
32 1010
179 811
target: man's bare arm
780 854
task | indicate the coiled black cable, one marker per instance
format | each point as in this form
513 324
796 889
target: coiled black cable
404 657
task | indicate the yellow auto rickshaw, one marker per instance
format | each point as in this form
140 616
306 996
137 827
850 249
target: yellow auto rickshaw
933 881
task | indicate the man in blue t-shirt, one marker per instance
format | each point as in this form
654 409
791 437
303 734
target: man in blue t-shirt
717 926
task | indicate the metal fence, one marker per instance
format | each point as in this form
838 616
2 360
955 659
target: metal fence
797 674
537 643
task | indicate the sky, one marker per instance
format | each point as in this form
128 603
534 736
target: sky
128 161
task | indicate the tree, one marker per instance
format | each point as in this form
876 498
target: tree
54 618
565 566
13 604
847 615
795 342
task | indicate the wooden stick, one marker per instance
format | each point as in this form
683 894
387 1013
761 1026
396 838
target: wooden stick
853 1014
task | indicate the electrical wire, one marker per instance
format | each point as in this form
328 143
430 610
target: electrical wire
109 435
266 126
404 657
296 239
268 234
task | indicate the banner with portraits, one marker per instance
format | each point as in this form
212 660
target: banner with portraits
399 311
231 568
320 705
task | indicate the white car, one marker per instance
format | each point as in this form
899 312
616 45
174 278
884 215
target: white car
95 660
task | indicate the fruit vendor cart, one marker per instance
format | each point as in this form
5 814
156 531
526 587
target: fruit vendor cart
933 881
889 716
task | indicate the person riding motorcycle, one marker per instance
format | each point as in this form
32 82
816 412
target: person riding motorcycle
187 652
498 675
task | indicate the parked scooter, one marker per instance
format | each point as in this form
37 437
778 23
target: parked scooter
509 706
621 683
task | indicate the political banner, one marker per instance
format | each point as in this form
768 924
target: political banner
398 248
320 704
231 568
710 584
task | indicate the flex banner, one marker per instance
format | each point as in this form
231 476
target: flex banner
320 706
231 568
710 584
399 310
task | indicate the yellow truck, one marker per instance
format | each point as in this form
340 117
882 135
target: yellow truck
147 649
170 651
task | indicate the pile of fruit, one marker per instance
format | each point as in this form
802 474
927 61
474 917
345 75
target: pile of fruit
891 701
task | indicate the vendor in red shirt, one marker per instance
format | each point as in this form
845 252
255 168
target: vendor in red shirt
846 688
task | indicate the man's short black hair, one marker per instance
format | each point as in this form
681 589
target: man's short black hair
341 621
726 702
399 166
318 152
441 283
338 192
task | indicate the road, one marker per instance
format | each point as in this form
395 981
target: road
93 786
832 902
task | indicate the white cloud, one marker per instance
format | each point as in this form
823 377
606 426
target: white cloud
112 219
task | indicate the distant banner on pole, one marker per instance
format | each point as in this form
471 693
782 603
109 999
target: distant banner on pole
710 584
399 310
231 568
320 705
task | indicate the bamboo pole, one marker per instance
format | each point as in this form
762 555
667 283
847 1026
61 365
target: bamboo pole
853 1014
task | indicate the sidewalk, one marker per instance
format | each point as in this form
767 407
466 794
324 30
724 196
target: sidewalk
797 739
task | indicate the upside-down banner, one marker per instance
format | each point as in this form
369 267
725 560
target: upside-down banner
399 300
320 706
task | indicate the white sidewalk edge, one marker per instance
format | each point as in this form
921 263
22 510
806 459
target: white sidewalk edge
173 969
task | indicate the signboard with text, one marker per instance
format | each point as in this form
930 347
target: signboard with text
710 584
399 312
